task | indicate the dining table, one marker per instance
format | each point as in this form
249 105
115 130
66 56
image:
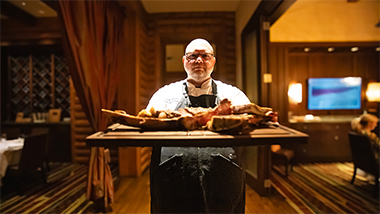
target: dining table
10 153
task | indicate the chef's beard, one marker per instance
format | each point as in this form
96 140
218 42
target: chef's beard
200 74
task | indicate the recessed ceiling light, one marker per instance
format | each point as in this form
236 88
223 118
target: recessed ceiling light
306 49
354 49
330 49
378 49
23 3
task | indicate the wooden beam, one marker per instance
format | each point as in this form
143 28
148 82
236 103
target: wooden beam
13 12
53 4
280 10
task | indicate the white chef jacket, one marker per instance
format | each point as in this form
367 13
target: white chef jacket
170 95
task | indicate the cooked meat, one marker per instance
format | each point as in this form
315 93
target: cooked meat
197 110
184 113
168 114
250 109
144 113
226 122
159 114
222 117
201 119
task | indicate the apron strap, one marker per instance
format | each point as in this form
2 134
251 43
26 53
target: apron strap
215 92
185 100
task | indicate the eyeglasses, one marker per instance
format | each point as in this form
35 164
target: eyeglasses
195 55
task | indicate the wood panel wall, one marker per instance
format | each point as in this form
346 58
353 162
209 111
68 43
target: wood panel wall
80 129
217 27
145 71
137 82
140 156
46 31
289 62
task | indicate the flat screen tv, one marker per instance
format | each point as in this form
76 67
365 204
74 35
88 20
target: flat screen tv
334 93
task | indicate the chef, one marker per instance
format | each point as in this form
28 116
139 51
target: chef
197 179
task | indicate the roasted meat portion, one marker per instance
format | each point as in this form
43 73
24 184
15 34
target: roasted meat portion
228 122
250 109
262 114
243 119
223 117
163 114
201 118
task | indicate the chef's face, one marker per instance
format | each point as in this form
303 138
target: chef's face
199 61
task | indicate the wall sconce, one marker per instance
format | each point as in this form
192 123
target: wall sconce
373 92
295 93
267 78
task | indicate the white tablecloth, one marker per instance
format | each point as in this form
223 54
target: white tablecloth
10 153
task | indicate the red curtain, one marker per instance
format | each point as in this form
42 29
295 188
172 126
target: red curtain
92 41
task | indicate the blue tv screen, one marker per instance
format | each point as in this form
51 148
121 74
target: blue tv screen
334 93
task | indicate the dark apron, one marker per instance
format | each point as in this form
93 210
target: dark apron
196 179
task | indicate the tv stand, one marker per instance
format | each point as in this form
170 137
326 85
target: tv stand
328 141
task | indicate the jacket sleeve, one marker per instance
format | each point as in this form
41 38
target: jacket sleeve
235 95
158 100
240 98
166 97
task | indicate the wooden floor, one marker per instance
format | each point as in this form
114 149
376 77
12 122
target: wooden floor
133 196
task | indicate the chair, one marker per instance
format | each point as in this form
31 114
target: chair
11 133
283 157
43 130
32 159
363 157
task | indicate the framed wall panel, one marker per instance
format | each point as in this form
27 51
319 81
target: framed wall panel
37 83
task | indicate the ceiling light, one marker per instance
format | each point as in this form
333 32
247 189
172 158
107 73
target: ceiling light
354 49
41 11
330 49
23 3
306 49
378 49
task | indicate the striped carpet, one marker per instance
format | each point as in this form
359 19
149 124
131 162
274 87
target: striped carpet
309 188
325 188
65 192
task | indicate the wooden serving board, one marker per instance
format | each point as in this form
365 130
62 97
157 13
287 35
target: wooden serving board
121 136
145 123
